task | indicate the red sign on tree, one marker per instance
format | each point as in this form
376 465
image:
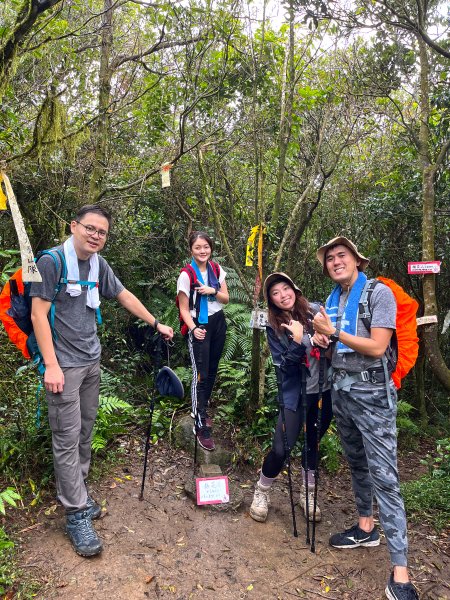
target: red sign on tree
424 267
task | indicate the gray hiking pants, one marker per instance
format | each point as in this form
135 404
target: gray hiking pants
367 428
71 415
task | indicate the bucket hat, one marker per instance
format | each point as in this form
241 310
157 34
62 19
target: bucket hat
168 383
342 241
273 277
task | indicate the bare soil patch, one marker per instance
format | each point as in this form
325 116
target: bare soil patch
166 547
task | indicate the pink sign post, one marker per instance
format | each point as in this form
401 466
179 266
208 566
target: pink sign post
429 267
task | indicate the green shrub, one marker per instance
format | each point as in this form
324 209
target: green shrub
8 496
113 416
331 450
428 498
6 566
408 431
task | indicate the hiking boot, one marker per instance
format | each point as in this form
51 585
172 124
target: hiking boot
260 504
400 591
208 420
82 534
355 537
310 503
93 509
204 437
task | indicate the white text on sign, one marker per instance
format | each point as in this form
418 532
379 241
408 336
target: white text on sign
424 267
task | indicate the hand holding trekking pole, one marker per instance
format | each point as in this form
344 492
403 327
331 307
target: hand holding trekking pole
320 340
165 331
199 332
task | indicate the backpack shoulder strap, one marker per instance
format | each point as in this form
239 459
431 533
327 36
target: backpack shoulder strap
189 270
215 267
365 313
55 254
61 265
191 274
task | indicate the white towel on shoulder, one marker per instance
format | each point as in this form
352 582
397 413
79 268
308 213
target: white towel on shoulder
73 273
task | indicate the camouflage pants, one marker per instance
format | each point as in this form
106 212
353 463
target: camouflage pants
367 428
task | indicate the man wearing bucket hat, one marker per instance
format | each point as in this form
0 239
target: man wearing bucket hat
288 334
364 405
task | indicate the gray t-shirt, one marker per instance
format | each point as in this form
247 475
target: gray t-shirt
384 311
76 343
312 382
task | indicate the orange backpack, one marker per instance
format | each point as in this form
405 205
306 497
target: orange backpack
404 347
15 308
17 334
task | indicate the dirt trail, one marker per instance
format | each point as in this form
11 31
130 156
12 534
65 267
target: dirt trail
165 547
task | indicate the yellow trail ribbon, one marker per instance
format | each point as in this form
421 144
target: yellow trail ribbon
3 198
257 231
251 246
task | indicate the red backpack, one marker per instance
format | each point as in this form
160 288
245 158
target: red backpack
193 283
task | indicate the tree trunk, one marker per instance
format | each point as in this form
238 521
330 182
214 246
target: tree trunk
252 404
104 99
419 372
430 331
26 18
287 101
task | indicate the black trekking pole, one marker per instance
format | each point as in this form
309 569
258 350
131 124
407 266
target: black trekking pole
319 427
286 443
305 445
156 365
195 438
196 409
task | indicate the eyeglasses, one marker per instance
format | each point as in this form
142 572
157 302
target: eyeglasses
91 230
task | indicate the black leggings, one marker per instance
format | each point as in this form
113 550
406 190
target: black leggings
205 356
274 461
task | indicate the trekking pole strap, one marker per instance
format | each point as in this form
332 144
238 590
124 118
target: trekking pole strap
387 380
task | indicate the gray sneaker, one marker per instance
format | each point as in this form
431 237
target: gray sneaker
310 503
82 534
260 505
92 508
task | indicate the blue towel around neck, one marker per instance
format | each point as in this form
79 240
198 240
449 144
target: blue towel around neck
349 318
212 282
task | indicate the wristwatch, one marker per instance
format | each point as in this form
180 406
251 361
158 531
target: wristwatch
334 337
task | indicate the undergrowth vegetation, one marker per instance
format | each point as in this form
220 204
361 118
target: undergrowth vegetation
428 498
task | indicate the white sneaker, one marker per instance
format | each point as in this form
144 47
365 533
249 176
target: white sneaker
302 503
260 504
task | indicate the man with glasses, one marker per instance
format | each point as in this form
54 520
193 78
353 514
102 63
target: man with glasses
71 355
